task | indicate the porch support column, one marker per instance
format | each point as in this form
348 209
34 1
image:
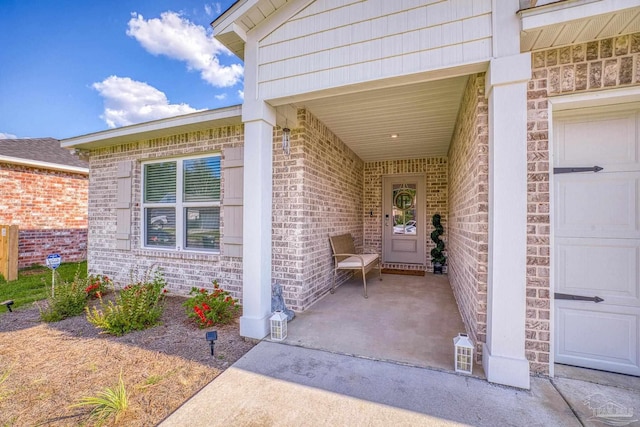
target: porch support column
259 119
503 356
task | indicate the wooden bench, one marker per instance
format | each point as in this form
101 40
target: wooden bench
346 258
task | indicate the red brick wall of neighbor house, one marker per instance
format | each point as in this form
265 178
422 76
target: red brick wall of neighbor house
50 209
468 207
435 174
595 66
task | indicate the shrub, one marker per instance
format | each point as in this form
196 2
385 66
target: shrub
98 286
68 300
137 306
208 309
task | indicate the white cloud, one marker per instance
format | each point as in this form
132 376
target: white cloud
221 96
7 136
241 94
208 10
178 38
127 102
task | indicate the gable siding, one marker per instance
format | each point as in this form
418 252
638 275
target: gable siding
337 42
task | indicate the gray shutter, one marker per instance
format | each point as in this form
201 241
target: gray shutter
233 178
123 205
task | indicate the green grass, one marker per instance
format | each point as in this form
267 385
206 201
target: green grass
34 283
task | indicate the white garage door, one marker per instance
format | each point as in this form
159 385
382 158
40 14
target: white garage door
597 239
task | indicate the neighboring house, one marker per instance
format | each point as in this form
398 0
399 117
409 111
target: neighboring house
44 192
470 107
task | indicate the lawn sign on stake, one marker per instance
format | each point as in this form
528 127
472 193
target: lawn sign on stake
53 262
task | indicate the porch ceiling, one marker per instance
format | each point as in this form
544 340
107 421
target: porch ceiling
422 115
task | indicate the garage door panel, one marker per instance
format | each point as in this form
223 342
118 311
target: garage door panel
608 268
597 204
587 332
596 235
601 139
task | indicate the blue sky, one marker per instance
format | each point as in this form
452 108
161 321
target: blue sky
72 67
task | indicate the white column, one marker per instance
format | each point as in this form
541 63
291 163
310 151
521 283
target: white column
503 356
259 119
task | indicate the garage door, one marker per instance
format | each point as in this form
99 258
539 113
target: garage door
597 238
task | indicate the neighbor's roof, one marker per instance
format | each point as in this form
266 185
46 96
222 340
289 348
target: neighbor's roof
41 152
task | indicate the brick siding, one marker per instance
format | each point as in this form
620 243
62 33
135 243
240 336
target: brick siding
435 174
468 207
328 203
599 65
50 209
182 270
316 192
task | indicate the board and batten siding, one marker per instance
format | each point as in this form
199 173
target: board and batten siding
337 42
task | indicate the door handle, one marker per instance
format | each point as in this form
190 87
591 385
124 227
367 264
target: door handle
595 299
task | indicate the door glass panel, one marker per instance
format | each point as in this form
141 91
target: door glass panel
404 209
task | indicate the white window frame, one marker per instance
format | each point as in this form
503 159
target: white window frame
179 205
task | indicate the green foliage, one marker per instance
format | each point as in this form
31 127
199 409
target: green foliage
437 255
108 402
138 306
208 309
68 300
34 283
98 285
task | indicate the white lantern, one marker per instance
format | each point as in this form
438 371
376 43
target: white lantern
463 357
278 326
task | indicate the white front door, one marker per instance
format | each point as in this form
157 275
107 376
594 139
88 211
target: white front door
403 219
597 239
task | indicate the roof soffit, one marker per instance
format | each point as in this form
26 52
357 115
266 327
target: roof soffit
259 17
569 22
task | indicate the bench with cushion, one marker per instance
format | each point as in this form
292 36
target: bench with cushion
346 258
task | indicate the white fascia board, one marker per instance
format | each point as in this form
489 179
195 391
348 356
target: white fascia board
570 10
157 128
43 165
227 19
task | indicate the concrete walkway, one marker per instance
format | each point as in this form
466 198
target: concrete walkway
281 385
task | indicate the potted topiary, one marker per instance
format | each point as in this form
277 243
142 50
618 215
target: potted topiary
438 258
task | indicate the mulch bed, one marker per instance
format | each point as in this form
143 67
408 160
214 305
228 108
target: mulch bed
52 366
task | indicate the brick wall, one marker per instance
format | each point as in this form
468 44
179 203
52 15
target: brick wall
182 269
599 65
468 207
50 209
331 204
435 174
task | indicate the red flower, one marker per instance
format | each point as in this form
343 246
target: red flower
205 306
164 291
203 291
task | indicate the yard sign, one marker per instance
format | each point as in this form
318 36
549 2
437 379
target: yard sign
53 262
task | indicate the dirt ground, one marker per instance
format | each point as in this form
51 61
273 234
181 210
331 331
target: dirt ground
48 367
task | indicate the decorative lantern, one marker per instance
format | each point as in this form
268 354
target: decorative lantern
463 357
278 326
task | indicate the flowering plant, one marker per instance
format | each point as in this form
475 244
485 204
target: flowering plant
138 306
97 286
210 308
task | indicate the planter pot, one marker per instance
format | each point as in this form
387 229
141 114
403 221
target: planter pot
437 268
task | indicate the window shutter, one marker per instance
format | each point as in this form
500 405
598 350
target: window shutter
123 205
233 178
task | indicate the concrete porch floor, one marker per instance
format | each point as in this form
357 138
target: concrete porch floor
406 319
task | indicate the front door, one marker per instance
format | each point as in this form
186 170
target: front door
403 219
597 239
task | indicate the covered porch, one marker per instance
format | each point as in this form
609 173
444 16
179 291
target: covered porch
407 319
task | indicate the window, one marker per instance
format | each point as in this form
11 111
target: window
181 204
